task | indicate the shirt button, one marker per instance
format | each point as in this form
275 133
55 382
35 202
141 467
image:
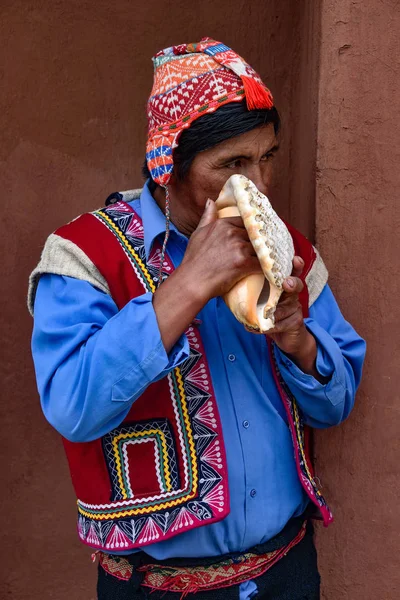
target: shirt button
246 424
253 493
231 357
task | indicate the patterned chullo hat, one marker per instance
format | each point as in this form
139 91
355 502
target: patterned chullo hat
191 80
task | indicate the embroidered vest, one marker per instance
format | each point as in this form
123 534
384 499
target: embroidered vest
163 471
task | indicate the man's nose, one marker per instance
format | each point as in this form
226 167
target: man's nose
257 176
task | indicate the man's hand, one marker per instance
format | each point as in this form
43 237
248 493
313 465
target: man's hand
219 254
290 333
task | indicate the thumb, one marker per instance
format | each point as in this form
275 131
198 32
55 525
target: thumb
209 215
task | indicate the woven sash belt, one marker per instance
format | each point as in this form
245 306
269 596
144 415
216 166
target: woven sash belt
185 580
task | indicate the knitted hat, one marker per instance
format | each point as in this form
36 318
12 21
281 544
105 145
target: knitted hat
191 80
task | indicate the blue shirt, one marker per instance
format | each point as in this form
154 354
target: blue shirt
89 375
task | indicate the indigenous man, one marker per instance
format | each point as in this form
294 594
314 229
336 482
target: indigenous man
186 435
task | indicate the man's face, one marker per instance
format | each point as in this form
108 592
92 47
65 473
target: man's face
250 154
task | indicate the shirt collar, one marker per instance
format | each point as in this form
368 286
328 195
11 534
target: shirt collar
153 219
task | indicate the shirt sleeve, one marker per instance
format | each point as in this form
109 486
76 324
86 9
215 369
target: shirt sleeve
340 357
91 360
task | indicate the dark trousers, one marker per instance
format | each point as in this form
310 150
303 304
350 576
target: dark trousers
293 577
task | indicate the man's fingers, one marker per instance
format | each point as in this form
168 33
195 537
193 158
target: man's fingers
254 265
292 285
298 266
291 323
286 299
283 311
241 233
209 215
235 221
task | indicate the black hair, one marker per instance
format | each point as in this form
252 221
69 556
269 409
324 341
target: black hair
211 129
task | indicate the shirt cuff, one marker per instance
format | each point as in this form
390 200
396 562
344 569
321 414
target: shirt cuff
329 363
156 363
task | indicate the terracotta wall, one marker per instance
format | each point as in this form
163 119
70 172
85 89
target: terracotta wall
357 227
74 77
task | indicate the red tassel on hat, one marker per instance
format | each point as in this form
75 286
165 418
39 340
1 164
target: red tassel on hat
256 93
257 96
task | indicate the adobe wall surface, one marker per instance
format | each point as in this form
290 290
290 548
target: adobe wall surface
357 230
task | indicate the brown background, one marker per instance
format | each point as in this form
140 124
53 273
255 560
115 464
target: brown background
74 78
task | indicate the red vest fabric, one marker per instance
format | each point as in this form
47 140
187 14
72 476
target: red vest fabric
163 471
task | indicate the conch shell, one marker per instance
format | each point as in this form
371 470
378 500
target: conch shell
253 300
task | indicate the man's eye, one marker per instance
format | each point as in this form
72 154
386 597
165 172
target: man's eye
267 156
235 164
